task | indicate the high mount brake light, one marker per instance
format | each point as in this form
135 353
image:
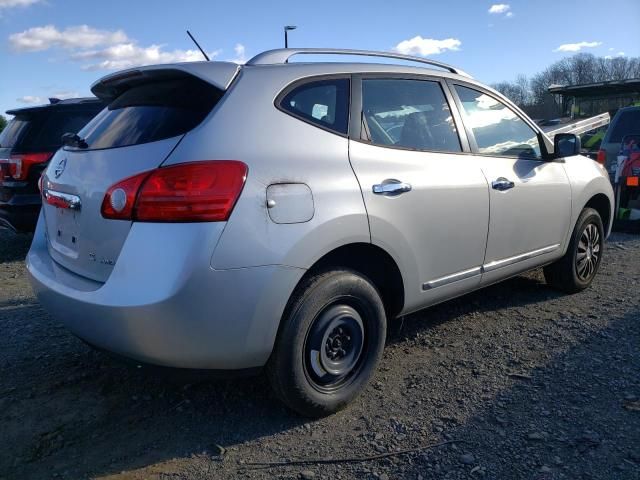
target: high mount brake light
203 191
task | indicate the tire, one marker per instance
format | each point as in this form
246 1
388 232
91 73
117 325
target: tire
330 342
577 268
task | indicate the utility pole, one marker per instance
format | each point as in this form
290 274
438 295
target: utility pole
286 36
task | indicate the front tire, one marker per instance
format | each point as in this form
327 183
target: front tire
330 343
577 268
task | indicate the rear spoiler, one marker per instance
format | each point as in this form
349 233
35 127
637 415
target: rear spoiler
61 104
218 74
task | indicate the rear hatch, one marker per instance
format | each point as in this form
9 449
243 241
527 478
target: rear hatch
149 112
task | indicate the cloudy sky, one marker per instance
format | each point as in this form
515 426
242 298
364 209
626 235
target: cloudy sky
59 47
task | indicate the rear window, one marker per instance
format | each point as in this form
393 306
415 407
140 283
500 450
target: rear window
45 133
12 132
628 123
151 112
42 130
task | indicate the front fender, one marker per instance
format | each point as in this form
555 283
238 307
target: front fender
588 179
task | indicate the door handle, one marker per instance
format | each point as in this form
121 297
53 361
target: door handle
502 184
391 187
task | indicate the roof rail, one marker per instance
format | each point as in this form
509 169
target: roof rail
282 55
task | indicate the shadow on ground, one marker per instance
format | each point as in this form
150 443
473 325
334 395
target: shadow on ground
13 247
68 409
567 419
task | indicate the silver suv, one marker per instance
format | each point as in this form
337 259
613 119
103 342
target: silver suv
280 215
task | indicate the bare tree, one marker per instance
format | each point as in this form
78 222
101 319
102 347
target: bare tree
533 94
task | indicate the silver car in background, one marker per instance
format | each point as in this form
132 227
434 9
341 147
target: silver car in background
279 214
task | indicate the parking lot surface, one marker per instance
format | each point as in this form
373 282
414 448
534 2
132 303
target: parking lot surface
516 381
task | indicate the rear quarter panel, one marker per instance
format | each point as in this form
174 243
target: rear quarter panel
278 149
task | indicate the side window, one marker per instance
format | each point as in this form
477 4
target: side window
410 114
324 103
496 128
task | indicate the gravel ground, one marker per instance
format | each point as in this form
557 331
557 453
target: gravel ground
523 382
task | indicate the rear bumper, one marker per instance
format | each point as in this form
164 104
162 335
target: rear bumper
165 305
20 212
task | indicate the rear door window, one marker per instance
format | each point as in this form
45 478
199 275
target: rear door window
324 103
497 129
628 123
410 114
151 112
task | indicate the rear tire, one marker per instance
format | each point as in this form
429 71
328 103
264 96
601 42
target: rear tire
577 268
330 343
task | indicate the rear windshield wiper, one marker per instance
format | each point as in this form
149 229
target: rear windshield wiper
74 140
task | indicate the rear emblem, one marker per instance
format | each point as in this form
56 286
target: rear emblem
60 167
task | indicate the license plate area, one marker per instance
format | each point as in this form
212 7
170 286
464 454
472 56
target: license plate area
64 231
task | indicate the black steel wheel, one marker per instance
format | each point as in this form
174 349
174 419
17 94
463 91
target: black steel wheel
329 344
334 346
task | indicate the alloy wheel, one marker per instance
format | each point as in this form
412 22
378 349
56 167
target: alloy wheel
588 254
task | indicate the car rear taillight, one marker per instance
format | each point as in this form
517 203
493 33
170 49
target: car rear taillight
203 191
18 165
602 156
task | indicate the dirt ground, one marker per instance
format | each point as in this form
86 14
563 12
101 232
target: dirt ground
523 382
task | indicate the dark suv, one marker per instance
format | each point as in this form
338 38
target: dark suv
26 145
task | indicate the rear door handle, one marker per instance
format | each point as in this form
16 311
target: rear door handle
502 184
391 187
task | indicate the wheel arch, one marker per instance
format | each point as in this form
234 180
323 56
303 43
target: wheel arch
374 263
601 204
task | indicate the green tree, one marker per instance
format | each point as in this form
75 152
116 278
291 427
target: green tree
3 123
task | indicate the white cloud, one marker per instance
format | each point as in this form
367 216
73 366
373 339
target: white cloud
576 47
427 46
36 99
509 14
239 49
499 8
64 94
621 54
81 36
30 99
126 55
97 49
16 3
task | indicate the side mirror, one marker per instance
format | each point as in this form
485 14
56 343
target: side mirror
566 145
